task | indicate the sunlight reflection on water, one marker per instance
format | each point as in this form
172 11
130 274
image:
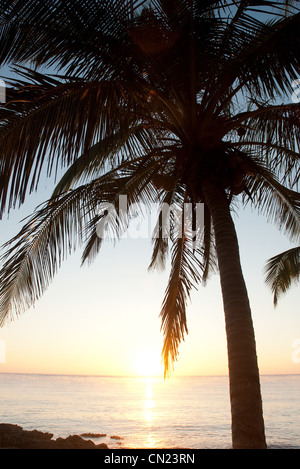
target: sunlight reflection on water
145 412
149 405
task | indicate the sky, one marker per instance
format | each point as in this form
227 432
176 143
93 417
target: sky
103 319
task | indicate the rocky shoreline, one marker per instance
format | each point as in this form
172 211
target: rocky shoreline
14 437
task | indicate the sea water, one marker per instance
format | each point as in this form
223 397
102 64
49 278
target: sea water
182 412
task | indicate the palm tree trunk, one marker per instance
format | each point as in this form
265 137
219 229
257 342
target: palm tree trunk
245 395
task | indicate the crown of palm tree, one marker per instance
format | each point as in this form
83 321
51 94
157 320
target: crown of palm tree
149 100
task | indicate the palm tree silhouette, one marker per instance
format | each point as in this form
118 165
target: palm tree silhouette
169 101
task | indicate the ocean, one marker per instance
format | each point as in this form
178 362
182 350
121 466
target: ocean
182 412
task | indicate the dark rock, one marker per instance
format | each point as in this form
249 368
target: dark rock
93 435
13 436
74 442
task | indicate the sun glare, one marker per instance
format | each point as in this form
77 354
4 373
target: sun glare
147 362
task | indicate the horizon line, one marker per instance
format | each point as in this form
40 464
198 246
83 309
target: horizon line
134 376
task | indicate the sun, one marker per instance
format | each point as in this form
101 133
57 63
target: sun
147 362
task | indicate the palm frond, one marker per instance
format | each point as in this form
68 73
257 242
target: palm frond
185 274
255 61
160 238
55 122
134 182
282 270
283 160
129 142
277 202
33 256
63 33
277 124
273 133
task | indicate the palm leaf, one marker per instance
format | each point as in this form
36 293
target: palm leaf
278 203
132 180
282 270
67 34
257 63
56 123
186 269
273 133
33 256
127 143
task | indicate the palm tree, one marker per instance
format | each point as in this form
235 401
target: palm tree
169 101
282 270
